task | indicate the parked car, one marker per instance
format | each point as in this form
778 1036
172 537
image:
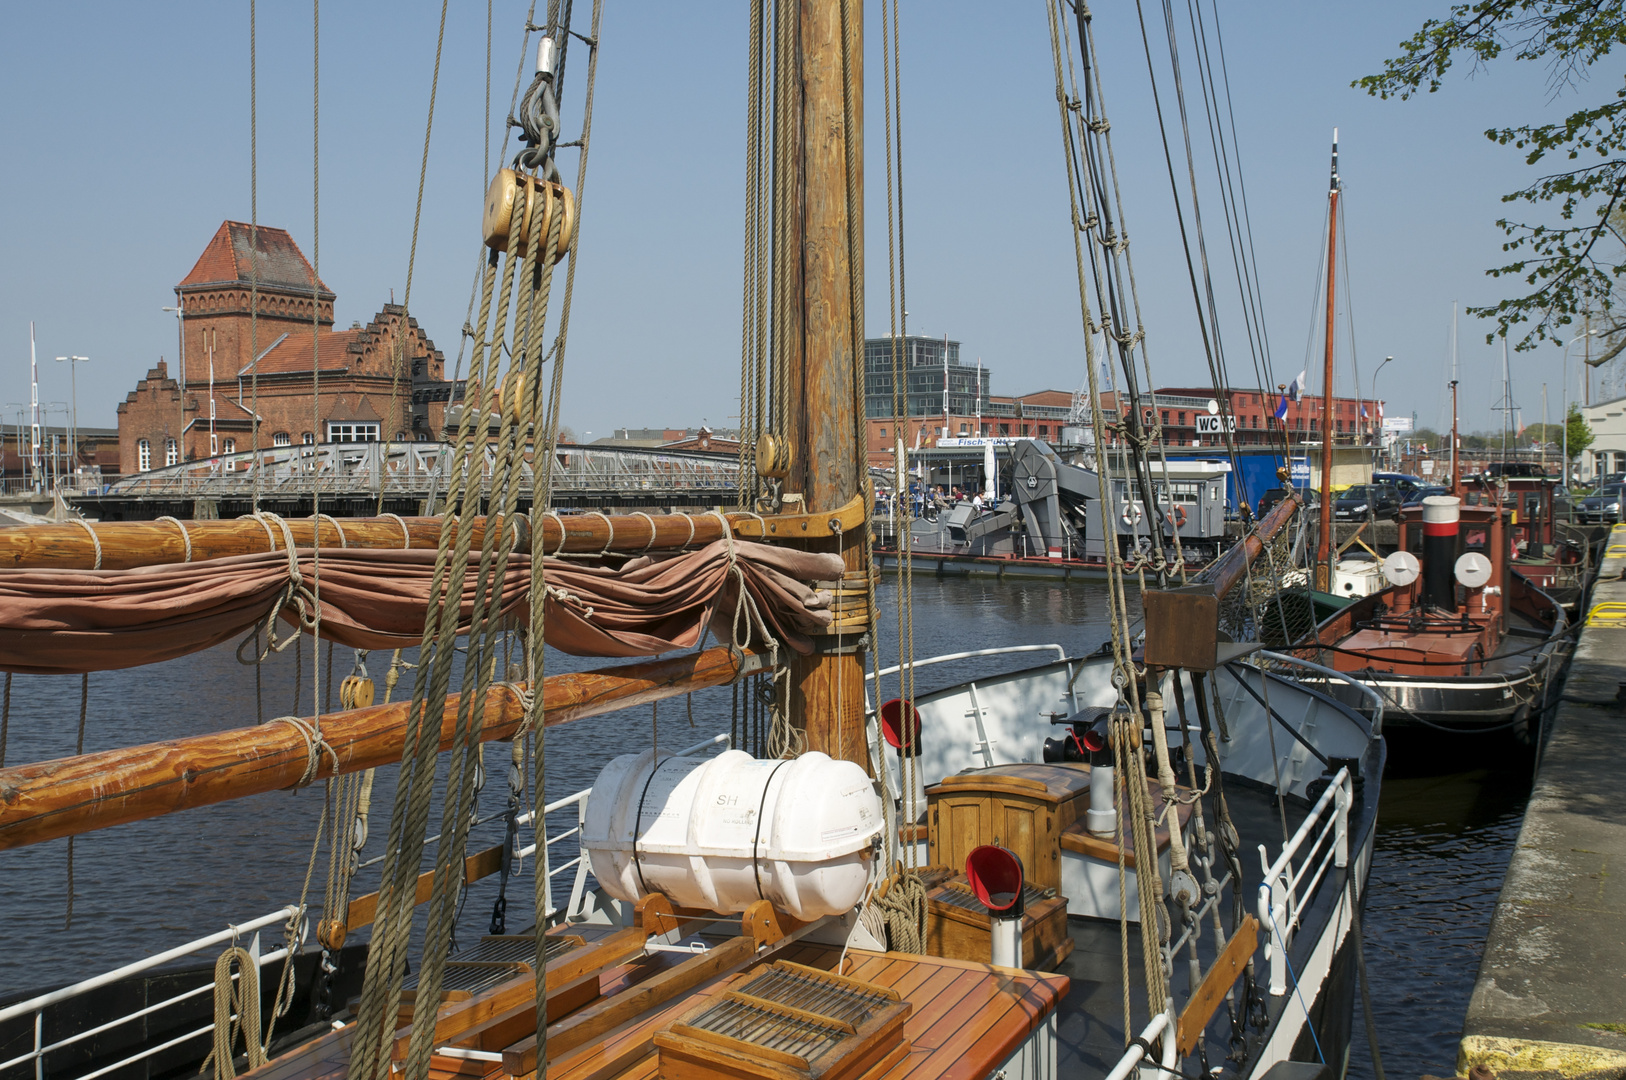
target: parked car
1602 508
1405 483
1366 500
1416 497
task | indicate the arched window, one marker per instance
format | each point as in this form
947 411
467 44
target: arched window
280 439
230 446
172 452
143 456
308 439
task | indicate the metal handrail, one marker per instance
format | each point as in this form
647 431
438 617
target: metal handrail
1280 899
40 1002
1061 654
1371 694
1137 1050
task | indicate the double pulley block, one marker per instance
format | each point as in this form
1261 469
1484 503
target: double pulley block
510 189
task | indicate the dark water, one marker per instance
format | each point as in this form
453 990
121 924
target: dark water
1442 847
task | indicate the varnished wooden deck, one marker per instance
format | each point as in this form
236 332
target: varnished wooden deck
967 1018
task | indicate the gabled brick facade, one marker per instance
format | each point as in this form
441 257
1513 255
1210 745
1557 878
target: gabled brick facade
261 369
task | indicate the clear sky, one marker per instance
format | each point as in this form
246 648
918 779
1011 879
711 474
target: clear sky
126 138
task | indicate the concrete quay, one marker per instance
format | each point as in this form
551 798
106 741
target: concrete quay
1550 1000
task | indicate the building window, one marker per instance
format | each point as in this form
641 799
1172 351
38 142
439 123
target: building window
1044 431
1004 429
281 438
308 439
143 456
231 445
985 429
1182 418
1165 416
172 452
351 432
883 431
1024 431
1312 425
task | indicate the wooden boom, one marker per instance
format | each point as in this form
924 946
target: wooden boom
128 544
1230 567
69 796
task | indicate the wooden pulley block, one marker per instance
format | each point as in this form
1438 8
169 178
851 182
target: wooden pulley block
512 395
355 692
773 457
330 934
510 188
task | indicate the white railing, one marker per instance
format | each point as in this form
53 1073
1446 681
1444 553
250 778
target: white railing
1328 673
1162 1024
38 1004
1061 654
1322 841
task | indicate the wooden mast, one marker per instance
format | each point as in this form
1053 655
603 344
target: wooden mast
1323 555
823 347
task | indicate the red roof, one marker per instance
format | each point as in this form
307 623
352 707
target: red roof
227 259
293 353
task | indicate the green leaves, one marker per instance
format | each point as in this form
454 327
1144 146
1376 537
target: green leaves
1572 265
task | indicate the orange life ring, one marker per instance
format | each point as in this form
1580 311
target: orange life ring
1179 516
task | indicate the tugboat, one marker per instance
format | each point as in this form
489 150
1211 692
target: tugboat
1457 641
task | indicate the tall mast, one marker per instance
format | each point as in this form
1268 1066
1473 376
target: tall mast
1456 473
827 688
34 417
1323 555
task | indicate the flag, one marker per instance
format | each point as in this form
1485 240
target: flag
1295 389
1364 414
1281 409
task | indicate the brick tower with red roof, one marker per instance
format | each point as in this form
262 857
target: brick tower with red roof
363 397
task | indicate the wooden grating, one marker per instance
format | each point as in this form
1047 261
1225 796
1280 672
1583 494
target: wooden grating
958 894
787 1020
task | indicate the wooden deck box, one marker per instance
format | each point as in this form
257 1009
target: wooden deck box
1024 807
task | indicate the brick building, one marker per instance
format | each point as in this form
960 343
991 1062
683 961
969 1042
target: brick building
203 409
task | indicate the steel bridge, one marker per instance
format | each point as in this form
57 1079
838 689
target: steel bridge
350 479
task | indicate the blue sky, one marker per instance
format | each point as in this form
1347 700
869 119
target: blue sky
126 139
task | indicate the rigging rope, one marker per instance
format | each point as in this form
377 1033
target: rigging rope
403 325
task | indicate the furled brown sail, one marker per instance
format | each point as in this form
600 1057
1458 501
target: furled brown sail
70 621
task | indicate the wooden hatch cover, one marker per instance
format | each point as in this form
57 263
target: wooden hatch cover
784 1021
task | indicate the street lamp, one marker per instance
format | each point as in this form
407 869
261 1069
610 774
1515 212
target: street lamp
73 385
1374 399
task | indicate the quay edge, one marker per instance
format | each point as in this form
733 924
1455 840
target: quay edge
1550 999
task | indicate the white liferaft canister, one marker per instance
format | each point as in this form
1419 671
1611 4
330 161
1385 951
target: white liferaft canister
721 833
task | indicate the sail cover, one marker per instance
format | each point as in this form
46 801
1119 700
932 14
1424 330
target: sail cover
71 621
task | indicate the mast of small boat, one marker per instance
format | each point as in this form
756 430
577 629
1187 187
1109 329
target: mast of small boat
1456 473
822 170
1324 548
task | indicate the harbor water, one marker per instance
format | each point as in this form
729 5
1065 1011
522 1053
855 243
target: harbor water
1442 847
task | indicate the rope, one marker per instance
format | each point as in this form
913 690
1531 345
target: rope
5 719
406 534
316 530
651 521
315 747
254 256
402 325
237 1006
78 750
95 540
185 535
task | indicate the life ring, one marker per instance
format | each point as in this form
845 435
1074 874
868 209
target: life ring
1132 514
1178 515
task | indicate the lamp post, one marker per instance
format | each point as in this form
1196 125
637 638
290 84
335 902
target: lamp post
180 319
1378 435
73 424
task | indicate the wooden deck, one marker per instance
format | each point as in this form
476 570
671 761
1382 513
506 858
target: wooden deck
967 1018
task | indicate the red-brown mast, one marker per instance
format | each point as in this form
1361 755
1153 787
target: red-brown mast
1323 555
